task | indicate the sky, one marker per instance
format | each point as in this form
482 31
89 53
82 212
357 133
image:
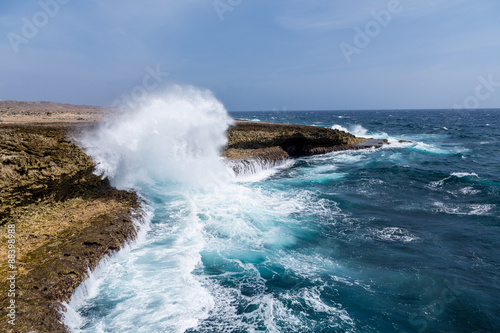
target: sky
255 54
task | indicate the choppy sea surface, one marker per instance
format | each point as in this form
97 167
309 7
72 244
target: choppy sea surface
405 238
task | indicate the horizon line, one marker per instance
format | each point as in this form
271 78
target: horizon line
294 110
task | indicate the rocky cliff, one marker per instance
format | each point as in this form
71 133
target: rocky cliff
65 220
273 143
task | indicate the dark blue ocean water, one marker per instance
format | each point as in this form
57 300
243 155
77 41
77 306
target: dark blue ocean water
405 238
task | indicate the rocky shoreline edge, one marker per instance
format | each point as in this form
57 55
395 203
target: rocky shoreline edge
65 219
59 219
272 144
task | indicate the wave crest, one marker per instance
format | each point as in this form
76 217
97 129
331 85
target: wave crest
175 137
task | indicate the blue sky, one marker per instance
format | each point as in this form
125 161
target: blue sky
256 54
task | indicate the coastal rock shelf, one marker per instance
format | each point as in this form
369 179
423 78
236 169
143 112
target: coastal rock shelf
66 219
273 143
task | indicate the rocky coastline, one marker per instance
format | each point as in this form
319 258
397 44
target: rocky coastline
273 143
65 219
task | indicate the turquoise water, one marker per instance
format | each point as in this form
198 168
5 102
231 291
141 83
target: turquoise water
403 238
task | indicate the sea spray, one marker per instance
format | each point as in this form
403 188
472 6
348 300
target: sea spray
356 130
167 147
360 131
174 137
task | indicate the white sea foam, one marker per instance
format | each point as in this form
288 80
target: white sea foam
244 227
418 142
395 234
430 148
255 170
90 288
356 130
152 285
206 219
441 182
464 174
341 157
340 128
469 190
359 130
166 146
273 311
169 150
464 209
175 136
315 175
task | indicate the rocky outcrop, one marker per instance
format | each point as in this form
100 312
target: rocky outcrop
268 155
250 161
65 219
273 143
37 161
296 140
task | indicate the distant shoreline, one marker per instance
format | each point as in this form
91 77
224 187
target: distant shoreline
49 112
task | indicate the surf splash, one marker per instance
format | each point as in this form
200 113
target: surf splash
168 148
174 137
310 249
357 130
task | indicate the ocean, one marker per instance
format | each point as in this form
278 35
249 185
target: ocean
405 238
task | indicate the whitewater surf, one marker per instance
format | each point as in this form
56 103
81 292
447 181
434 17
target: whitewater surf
352 241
